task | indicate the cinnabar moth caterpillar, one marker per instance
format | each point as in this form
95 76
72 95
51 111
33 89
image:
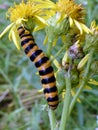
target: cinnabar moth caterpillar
43 65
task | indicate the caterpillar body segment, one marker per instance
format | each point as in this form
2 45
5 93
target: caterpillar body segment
43 65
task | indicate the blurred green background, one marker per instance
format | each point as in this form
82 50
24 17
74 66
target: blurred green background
21 106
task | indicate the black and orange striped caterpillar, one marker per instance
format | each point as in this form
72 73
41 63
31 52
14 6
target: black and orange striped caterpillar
43 65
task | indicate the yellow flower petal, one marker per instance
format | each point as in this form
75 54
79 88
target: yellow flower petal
71 21
56 63
83 62
41 90
43 3
37 28
20 20
41 20
93 82
93 24
86 29
87 87
60 17
15 38
6 30
78 26
10 35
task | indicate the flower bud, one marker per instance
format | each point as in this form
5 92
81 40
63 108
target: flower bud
76 51
83 62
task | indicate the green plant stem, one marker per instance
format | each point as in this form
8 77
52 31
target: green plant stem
59 52
52 119
49 48
67 99
85 79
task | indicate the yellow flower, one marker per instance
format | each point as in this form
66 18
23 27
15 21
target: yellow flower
73 10
75 13
26 14
64 7
22 11
67 15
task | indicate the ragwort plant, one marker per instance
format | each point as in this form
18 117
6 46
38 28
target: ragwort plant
65 20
